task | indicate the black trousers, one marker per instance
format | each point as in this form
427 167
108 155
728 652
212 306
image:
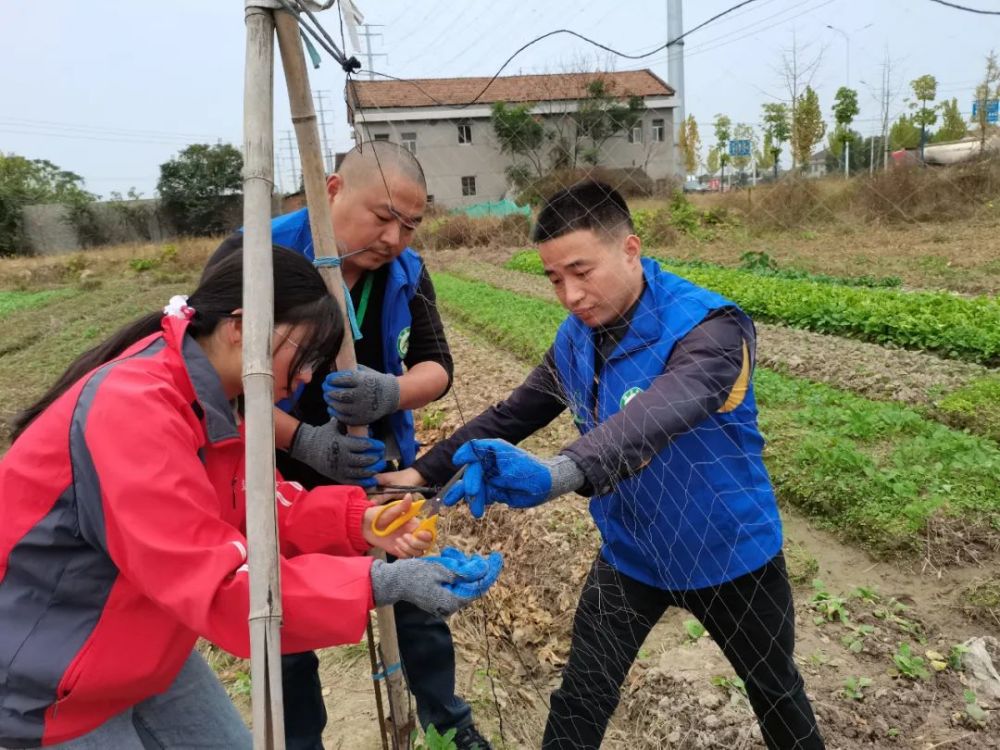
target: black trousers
751 619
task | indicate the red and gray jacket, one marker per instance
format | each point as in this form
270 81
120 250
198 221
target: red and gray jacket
122 540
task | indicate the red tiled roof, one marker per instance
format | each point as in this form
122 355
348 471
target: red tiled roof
430 92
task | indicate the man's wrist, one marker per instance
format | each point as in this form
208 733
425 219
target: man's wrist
566 475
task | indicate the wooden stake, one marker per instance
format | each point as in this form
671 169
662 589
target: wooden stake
324 245
258 383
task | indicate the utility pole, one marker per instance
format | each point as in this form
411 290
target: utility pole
327 155
369 55
886 101
847 82
675 74
292 158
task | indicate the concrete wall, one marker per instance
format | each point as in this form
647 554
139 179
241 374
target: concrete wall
446 161
49 229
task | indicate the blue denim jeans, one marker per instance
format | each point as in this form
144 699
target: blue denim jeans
428 656
194 713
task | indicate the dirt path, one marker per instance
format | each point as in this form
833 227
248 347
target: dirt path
670 699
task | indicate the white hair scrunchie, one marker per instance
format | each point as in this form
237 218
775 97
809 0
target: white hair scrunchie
178 307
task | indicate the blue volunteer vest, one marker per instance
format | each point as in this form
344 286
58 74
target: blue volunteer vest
292 231
701 512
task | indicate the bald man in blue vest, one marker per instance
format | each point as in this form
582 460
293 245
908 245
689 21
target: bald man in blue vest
377 199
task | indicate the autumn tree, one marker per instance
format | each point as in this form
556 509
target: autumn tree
689 143
808 127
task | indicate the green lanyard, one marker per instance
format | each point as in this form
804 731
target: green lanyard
365 294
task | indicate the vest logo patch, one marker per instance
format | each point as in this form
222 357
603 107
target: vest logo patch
630 394
403 342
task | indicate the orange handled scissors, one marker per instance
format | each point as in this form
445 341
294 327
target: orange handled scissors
429 509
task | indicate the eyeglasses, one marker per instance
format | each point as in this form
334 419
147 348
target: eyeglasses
312 364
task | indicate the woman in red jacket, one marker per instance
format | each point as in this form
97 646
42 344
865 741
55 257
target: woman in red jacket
122 520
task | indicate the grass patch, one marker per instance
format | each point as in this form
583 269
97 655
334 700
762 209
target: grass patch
37 348
13 301
878 472
975 407
951 326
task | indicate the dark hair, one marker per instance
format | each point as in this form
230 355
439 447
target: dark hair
586 205
300 296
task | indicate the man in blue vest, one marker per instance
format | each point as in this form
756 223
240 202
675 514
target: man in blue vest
657 373
377 199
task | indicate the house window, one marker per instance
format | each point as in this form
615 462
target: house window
635 134
380 137
430 200
409 141
465 134
468 186
659 132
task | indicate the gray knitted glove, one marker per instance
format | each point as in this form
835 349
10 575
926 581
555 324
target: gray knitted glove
418 581
343 458
566 475
360 396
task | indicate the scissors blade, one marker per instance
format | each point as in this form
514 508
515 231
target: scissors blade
434 505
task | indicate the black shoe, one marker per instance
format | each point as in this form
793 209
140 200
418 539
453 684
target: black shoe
470 739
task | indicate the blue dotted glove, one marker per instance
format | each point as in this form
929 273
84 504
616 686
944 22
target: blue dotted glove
499 472
474 574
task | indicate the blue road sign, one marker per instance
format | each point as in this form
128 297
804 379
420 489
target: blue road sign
992 110
739 148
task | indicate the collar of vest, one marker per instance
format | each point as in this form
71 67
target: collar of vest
219 420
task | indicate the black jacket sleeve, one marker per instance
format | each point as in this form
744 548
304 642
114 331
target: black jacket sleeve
427 339
529 407
696 381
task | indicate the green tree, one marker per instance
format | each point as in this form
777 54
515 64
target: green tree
689 143
988 89
845 109
26 182
924 91
953 127
723 133
520 134
836 141
777 130
765 154
195 186
808 128
904 133
603 115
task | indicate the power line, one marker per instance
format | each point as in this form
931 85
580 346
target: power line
956 6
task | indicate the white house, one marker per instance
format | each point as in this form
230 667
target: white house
455 142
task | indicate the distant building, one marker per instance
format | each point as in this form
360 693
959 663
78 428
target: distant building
817 164
456 144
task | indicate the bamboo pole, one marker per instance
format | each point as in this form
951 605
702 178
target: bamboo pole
258 382
324 245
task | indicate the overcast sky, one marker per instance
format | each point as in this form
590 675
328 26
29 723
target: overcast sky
112 88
